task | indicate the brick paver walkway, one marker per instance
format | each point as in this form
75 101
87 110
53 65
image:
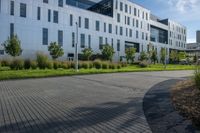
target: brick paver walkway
93 103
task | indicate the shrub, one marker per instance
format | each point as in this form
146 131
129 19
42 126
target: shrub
136 63
42 60
17 64
72 64
49 65
85 65
27 64
5 62
143 64
33 65
56 64
97 64
119 66
90 65
65 65
124 64
112 66
105 65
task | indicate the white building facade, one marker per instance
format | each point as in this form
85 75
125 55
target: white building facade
119 23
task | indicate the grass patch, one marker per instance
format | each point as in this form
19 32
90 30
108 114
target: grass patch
6 73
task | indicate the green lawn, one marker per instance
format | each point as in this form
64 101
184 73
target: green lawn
5 73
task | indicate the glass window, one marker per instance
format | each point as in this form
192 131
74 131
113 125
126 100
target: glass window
118 45
38 13
121 31
45 36
130 33
100 42
110 28
79 21
86 23
116 29
1 52
130 9
116 6
60 3
133 22
22 10
45 1
135 11
73 39
12 5
142 35
118 17
97 25
60 37
137 34
82 40
128 20
89 41
126 8
137 23
55 16
11 29
121 6
126 31
71 20
104 27
49 15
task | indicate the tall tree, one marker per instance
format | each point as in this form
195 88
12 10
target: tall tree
154 57
143 56
173 56
107 52
130 54
55 50
12 46
87 53
162 55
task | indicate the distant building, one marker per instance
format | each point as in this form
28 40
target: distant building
198 36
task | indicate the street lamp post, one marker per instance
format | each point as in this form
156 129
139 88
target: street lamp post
165 55
76 48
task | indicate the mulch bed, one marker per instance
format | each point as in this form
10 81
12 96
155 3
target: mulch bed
186 99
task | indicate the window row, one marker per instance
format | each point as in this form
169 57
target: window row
131 10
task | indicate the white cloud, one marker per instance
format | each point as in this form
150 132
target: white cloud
183 6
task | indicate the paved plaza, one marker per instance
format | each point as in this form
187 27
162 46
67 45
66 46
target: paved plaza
93 103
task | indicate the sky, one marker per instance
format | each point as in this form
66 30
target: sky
186 12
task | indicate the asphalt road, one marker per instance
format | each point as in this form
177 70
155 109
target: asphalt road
93 103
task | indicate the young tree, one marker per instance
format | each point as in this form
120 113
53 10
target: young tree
143 56
107 52
87 53
154 56
181 55
55 50
130 54
173 56
12 46
162 55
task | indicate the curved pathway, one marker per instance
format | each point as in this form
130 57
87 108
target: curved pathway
160 112
92 103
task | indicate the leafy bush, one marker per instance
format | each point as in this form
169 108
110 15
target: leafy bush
124 64
136 63
85 65
143 64
27 64
72 64
97 64
17 64
56 64
105 65
90 65
49 65
112 66
5 62
42 60
33 65
65 65
119 66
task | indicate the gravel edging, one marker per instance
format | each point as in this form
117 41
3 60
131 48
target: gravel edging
160 112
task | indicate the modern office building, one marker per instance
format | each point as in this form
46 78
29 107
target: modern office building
93 23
